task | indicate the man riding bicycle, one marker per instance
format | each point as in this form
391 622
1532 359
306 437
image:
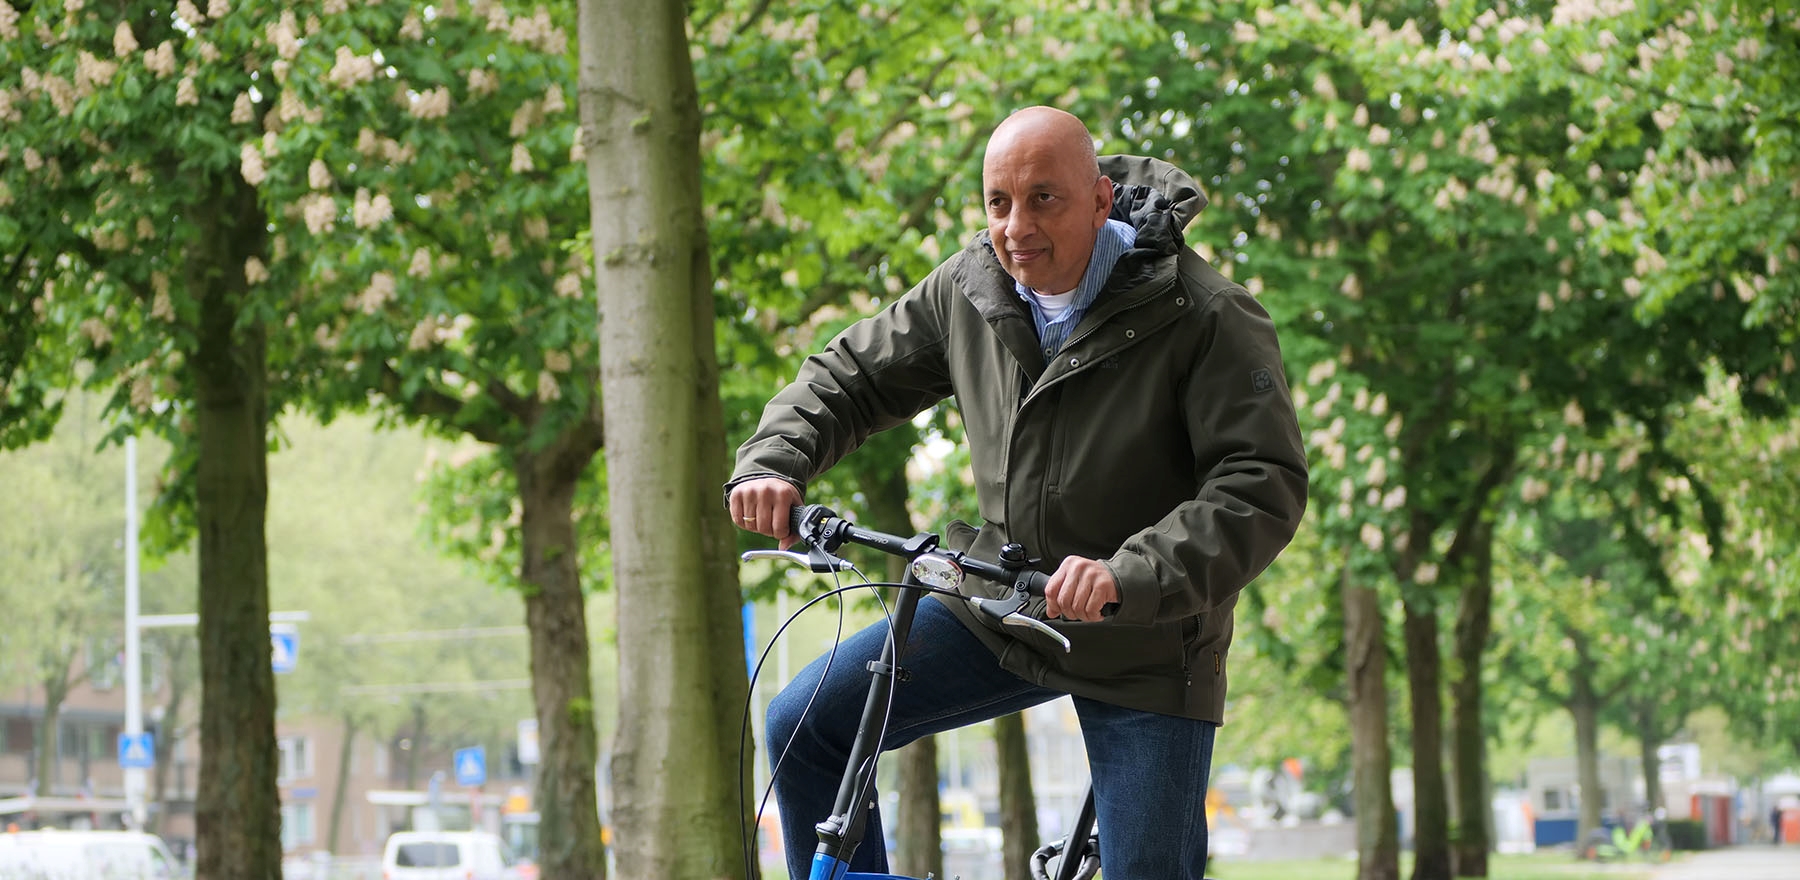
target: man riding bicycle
1129 422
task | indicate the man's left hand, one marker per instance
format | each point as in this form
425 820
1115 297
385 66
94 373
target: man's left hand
1079 589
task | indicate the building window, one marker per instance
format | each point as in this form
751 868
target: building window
1553 800
69 741
18 735
101 739
296 825
296 758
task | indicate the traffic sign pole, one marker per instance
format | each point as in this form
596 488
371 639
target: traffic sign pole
135 778
136 782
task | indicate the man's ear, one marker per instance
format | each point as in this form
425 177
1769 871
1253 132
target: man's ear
1103 200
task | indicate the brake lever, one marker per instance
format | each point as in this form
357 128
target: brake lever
1010 612
814 559
1018 618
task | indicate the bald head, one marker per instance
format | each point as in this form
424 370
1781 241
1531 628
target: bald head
1045 128
1045 198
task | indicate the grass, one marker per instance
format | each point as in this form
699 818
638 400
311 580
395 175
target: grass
1536 866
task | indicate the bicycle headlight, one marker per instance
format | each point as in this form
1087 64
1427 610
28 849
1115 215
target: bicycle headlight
937 571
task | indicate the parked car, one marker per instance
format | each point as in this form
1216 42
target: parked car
87 855
449 855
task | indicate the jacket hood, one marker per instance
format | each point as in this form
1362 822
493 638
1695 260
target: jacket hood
1156 198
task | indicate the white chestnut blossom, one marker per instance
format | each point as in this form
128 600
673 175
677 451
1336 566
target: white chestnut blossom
250 163
369 212
377 294
161 60
432 104
319 211
124 43
317 175
351 68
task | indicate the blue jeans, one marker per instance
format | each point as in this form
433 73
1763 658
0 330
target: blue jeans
1149 771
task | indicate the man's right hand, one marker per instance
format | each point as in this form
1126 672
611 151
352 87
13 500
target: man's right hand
763 505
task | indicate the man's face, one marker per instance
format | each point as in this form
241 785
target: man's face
1044 208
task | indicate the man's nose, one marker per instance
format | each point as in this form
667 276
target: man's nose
1021 223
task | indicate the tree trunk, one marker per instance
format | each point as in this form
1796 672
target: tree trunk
237 810
679 760
918 844
1365 662
1018 808
1474 815
345 756
732 747
1431 838
410 773
1649 740
1653 771
562 689
1584 705
49 743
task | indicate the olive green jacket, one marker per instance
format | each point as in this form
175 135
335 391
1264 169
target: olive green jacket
1160 439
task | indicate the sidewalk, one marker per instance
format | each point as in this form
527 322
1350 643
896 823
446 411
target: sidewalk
1736 863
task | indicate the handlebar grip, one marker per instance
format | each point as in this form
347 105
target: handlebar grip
796 516
1036 582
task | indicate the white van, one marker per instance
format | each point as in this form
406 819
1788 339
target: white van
448 855
89 855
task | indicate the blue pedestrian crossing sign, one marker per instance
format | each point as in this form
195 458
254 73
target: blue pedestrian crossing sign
284 649
137 751
471 766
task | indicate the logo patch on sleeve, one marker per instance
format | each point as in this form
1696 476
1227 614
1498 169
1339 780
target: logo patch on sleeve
1261 381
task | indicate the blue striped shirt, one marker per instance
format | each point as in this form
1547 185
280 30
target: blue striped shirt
1113 240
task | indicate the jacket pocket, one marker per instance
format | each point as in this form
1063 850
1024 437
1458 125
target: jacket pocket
1130 658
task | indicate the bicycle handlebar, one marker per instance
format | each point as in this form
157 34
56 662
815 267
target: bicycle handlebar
823 532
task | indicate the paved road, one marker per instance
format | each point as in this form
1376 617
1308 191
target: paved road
1736 863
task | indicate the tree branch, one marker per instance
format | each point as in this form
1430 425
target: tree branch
432 403
750 20
1498 472
91 254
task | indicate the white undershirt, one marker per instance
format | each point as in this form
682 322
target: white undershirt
1053 306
